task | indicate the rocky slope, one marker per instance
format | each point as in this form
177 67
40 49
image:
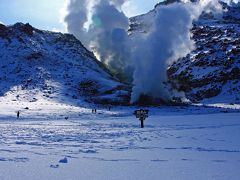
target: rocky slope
211 73
37 64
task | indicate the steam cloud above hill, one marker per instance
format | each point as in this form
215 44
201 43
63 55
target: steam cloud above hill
103 27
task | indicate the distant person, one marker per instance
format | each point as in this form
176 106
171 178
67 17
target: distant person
94 111
18 114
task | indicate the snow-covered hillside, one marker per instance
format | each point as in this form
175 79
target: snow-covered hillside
36 65
48 79
211 73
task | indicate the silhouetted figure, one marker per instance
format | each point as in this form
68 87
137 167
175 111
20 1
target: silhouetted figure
18 114
95 111
109 108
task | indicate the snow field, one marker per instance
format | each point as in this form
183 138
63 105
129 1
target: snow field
173 145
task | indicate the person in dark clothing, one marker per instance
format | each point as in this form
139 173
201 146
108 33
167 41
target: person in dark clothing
18 114
94 111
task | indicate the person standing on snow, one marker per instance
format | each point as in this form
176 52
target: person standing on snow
18 114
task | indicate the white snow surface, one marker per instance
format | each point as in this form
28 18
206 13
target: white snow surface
182 142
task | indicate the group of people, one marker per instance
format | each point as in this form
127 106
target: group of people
94 111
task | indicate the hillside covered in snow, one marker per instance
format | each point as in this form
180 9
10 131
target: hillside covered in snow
37 64
211 72
58 122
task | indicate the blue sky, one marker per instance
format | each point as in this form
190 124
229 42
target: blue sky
45 14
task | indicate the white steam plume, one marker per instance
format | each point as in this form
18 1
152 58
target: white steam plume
231 2
168 40
76 17
102 26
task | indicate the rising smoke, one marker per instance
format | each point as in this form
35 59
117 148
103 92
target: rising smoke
168 41
103 27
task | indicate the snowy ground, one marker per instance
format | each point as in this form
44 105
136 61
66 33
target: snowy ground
182 143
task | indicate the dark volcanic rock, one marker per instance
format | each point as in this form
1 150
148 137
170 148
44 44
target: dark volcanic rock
3 31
